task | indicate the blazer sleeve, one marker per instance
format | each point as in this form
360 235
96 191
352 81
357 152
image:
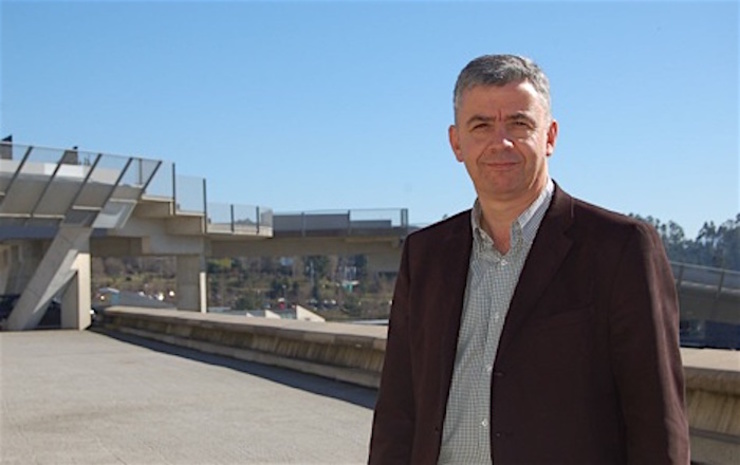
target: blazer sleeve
393 423
645 352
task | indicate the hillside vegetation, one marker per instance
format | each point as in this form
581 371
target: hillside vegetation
340 287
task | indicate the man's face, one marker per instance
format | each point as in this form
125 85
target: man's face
503 135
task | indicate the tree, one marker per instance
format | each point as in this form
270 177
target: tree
715 246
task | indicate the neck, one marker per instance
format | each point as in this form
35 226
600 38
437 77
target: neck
497 221
497 216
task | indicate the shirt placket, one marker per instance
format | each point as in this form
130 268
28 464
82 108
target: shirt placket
492 320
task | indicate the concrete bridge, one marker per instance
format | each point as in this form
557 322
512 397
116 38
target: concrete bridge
59 207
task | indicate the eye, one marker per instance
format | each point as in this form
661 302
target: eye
520 126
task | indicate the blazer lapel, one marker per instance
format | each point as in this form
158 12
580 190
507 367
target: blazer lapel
457 248
548 250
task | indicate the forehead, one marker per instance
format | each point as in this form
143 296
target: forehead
511 97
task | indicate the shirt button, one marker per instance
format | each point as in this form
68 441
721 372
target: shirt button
489 369
484 423
504 263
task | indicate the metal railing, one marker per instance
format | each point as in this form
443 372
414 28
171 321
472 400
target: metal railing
718 279
244 219
710 306
189 194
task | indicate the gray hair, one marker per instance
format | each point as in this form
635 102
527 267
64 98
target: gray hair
499 70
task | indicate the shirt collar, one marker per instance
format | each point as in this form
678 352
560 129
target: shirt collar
528 222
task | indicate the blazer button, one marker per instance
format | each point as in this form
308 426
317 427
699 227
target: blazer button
498 374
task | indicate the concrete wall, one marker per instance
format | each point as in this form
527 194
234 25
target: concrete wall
713 402
345 352
354 353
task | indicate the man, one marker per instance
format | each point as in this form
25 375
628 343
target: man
534 328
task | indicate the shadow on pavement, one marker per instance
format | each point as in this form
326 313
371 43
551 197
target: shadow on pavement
357 395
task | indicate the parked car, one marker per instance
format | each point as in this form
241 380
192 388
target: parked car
709 334
52 318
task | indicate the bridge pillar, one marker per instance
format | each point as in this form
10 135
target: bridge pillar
384 262
20 260
191 283
77 298
53 273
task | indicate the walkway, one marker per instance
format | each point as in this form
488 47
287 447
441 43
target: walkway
71 397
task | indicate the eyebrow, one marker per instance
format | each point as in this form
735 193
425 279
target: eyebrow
518 116
478 119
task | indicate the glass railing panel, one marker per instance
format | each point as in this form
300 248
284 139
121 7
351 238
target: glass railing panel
58 197
115 214
219 217
377 218
33 172
10 151
246 219
26 183
139 172
249 219
189 194
102 181
161 184
266 217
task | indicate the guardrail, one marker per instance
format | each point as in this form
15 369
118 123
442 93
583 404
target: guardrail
719 279
710 306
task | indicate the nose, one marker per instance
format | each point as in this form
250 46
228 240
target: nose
500 139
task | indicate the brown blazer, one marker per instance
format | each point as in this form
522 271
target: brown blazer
588 369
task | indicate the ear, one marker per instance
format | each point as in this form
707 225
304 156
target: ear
552 135
454 136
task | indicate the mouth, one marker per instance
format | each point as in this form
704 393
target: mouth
500 165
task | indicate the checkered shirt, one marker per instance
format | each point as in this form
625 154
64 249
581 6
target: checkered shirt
492 278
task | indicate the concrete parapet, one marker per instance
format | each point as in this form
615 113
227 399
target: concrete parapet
713 402
345 352
354 353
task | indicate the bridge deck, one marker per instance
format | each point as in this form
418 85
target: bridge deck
89 398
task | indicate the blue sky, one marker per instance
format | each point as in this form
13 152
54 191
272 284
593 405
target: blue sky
324 105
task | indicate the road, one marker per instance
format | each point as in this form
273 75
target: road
71 397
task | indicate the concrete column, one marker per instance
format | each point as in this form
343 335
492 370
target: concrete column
23 258
191 283
5 266
53 273
383 262
77 299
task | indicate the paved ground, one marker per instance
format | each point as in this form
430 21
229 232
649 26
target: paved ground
81 398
